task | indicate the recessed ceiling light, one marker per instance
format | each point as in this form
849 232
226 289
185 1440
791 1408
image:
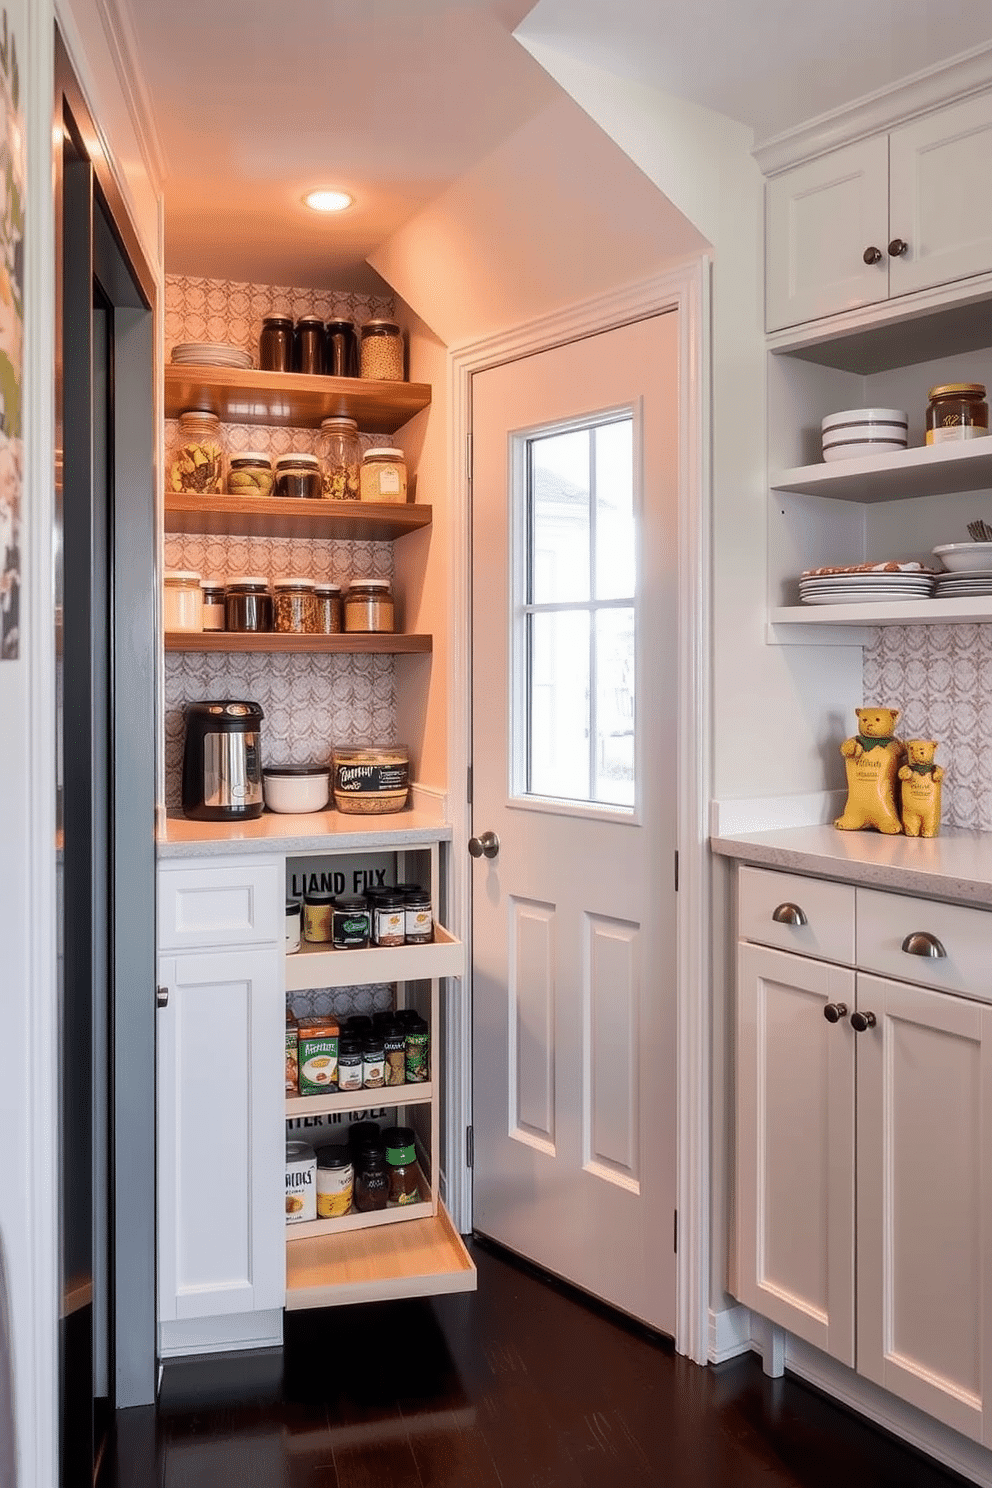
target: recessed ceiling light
328 201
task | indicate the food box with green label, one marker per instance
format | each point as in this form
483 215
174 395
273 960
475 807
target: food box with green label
318 1055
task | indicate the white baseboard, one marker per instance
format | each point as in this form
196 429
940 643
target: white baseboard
218 1335
766 813
730 1334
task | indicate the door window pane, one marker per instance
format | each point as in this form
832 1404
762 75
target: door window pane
559 703
560 516
614 758
615 511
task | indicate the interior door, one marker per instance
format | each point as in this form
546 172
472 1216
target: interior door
575 613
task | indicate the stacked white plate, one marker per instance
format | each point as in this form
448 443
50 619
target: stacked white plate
964 585
861 584
210 354
856 432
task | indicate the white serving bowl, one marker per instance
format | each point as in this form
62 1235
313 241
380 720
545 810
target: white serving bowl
296 788
965 557
846 416
859 449
856 432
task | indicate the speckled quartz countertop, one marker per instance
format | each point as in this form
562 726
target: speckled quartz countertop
956 866
316 831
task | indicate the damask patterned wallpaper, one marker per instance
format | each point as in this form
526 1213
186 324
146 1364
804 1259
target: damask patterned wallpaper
311 703
940 676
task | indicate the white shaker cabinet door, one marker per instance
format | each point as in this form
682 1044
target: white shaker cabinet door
820 220
221 1133
795 1145
925 1201
940 173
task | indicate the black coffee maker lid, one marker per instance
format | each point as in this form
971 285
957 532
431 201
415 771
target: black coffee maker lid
225 712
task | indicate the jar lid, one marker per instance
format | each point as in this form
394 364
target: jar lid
328 588
212 587
199 413
248 581
285 461
351 902
318 896
293 906
293 584
181 576
339 421
379 585
351 1043
384 454
389 899
310 320
334 1155
299 1152
340 323
969 389
296 770
254 457
417 896
278 318
380 328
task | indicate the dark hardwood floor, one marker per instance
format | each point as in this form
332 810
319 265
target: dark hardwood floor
522 1384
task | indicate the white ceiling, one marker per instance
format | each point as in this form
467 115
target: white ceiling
255 102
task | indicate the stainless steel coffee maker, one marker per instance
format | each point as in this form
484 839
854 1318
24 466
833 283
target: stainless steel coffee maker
222 761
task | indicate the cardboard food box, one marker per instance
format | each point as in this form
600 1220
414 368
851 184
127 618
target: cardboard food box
318 1055
292 1055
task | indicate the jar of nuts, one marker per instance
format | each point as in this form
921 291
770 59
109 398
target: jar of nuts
381 352
340 454
294 607
196 460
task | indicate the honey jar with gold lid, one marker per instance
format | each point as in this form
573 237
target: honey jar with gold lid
957 410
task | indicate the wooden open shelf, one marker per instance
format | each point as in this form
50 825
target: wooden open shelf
422 1258
342 1103
383 643
317 966
273 516
346 1223
291 398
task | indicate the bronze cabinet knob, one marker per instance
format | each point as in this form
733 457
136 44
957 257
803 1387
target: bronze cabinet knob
898 247
861 1022
872 255
834 1011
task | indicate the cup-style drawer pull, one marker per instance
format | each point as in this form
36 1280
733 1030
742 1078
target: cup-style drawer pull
834 1011
789 914
922 943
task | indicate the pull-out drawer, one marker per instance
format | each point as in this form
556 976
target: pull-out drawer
233 902
808 915
921 940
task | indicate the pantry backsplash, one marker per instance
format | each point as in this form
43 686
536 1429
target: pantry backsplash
311 702
940 676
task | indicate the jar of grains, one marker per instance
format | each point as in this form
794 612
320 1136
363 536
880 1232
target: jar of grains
383 475
248 604
327 599
294 607
340 455
213 604
381 354
196 462
275 344
368 605
182 600
250 474
298 477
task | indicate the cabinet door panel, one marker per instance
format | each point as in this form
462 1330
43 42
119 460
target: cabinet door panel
941 196
924 1214
819 219
795 1147
221 1158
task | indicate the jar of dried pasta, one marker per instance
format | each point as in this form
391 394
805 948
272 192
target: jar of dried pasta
383 475
294 607
368 605
196 458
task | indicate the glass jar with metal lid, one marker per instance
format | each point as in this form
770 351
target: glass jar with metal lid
250 474
196 458
248 604
294 607
368 605
182 600
298 477
275 344
383 475
340 453
381 353
327 598
308 345
335 1180
957 410
213 604
341 348
401 1160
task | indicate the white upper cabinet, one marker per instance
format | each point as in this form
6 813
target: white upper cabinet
885 216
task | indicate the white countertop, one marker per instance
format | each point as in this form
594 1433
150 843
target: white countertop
957 865
315 831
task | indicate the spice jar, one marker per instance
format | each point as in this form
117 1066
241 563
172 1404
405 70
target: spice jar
294 925
368 605
363 1134
318 908
389 920
341 349
248 604
250 474
340 453
298 477
275 344
213 604
196 463
294 607
419 917
373 1062
394 1052
418 1047
401 1160
381 354
327 601
335 1181
957 410
350 923
350 1062
308 345
372 1181
383 475
182 600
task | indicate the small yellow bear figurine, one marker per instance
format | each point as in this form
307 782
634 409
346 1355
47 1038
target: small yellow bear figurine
873 758
920 789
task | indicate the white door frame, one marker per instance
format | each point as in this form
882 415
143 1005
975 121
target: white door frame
685 289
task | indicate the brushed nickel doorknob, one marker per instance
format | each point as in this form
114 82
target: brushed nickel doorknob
486 846
898 247
872 255
861 1022
789 914
834 1011
922 943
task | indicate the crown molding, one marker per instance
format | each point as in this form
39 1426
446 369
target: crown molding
118 28
944 82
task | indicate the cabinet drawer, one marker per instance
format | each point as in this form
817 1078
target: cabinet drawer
223 904
886 920
828 909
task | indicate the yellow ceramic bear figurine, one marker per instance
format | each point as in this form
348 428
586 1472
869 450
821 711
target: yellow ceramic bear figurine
920 789
873 758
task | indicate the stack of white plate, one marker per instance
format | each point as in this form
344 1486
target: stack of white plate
862 585
856 432
964 585
210 354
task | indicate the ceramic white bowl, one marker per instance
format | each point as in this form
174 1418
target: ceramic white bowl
296 788
861 448
856 432
865 416
965 557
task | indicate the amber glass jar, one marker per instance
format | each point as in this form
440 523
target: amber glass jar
308 345
275 345
248 604
957 410
294 607
298 477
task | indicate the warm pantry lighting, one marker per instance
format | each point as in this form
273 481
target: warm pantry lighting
328 201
